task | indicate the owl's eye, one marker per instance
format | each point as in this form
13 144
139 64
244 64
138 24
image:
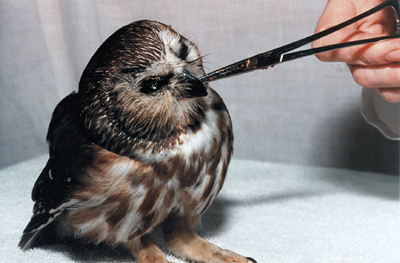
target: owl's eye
153 84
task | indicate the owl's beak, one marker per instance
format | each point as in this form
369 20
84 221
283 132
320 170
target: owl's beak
192 86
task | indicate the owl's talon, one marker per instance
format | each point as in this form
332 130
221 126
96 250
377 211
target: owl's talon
251 259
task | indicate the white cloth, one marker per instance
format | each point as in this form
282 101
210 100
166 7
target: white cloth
381 114
272 212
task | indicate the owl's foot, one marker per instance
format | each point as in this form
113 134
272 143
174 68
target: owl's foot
186 244
146 251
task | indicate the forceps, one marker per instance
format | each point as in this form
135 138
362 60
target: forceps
277 55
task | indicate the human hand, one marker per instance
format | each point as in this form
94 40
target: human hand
374 65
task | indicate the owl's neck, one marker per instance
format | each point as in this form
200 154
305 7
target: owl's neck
125 131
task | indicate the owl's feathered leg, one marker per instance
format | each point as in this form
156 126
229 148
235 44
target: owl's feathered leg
182 240
146 251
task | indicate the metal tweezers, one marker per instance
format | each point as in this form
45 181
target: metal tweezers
277 55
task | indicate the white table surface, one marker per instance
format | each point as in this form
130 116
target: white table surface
272 212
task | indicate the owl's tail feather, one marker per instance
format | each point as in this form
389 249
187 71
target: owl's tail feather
39 220
26 240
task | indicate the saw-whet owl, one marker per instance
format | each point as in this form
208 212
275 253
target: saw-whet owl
142 143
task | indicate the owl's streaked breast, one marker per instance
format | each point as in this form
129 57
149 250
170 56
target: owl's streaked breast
128 196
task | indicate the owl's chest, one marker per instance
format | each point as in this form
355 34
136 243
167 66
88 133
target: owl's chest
199 165
191 169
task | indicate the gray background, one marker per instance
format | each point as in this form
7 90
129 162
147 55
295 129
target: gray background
300 112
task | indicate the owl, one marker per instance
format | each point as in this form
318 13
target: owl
142 143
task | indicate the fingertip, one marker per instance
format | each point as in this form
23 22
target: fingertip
361 76
390 94
325 57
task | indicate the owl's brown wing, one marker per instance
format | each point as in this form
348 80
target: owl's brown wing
70 154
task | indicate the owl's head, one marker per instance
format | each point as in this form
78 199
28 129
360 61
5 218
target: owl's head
143 83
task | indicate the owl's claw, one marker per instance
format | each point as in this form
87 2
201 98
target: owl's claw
251 259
